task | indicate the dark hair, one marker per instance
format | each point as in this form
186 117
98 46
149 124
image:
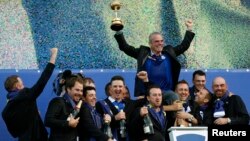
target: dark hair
10 82
57 86
107 87
70 82
127 95
151 87
181 82
117 77
86 89
66 74
81 75
199 72
126 87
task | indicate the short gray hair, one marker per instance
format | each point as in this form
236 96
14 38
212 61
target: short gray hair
152 34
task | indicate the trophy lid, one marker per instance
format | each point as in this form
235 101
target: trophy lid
115 5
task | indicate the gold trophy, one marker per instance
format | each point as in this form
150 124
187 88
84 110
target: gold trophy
116 22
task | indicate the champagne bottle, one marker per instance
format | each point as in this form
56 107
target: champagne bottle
148 125
123 127
107 129
178 121
76 110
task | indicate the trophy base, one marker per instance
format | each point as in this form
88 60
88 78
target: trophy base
116 27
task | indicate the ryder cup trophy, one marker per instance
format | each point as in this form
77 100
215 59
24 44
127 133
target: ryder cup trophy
116 22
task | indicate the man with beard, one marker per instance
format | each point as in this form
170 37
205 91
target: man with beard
229 109
154 110
203 100
59 117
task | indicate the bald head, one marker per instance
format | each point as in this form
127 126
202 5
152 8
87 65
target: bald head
219 86
219 79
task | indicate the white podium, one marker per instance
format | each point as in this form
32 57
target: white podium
188 133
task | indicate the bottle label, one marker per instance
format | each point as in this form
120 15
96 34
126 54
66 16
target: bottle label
146 129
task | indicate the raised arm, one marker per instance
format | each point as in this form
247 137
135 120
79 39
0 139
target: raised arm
53 55
185 44
189 24
124 46
45 76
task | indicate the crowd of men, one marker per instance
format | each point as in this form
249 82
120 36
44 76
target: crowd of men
161 100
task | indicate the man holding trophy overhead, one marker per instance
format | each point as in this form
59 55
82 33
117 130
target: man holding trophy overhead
158 60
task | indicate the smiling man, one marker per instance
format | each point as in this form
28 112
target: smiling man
91 122
153 108
185 117
229 109
199 82
158 60
117 107
58 116
203 99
